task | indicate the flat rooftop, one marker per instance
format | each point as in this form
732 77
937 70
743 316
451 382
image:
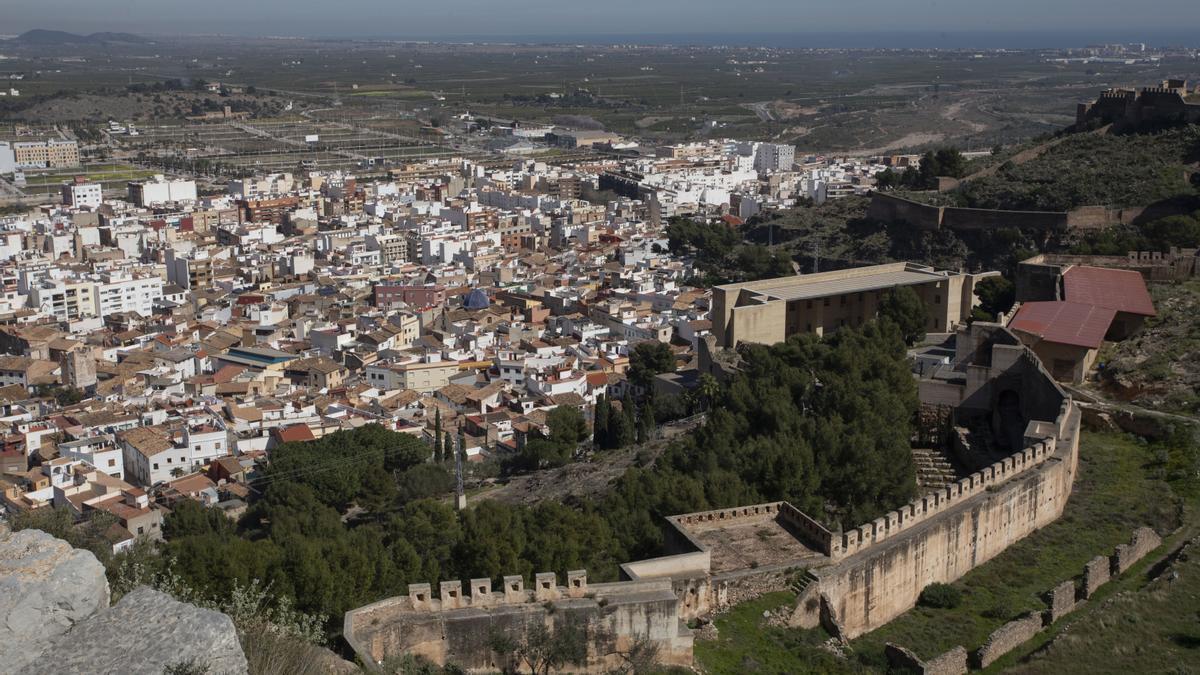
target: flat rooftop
742 544
838 282
806 290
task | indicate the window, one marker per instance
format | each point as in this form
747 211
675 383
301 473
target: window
112 462
826 302
168 460
197 448
937 299
141 530
809 305
156 466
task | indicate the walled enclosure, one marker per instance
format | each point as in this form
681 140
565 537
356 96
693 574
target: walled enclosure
856 580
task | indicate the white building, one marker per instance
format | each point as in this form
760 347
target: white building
161 190
101 452
65 300
774 157
124 293
82 195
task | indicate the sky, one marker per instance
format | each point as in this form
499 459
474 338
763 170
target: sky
572 19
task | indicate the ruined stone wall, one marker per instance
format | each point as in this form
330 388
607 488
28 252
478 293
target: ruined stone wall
1144 540
1095 574
953 662
1008 637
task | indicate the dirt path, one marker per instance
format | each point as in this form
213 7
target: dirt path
587 478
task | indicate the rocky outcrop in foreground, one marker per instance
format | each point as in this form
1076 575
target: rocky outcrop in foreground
55 618
46 587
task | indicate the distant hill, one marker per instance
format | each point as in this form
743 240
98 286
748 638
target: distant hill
49 38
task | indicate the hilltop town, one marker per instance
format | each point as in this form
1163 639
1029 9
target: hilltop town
493 394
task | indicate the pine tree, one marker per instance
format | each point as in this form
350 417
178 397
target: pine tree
600 422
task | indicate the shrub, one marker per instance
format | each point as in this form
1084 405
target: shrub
940 596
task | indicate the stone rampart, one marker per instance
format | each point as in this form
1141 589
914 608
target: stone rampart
967 220
889 208
892 209
1008 637
456 627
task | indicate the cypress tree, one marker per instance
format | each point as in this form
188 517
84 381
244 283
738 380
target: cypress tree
600 422
437 435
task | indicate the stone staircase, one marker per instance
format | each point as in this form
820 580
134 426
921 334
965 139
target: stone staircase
802 582
934 470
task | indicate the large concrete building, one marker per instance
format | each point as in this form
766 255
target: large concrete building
52 154
771 310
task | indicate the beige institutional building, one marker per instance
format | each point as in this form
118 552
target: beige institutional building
771 310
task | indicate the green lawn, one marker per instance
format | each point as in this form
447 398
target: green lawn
746 645
1123 483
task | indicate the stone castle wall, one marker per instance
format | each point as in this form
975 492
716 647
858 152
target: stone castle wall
890 561
890 208
457 628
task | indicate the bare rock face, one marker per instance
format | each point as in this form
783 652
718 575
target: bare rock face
144 633
46 587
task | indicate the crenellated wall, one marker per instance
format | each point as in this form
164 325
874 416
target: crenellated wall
457 627
941 537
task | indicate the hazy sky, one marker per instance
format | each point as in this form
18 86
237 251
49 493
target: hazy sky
407 18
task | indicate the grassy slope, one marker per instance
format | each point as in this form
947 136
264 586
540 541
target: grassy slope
1152 629
1091 169
746 645
1154 369
1118 488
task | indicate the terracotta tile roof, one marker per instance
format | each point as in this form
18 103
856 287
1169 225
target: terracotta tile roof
296 433
1120 290
1068 323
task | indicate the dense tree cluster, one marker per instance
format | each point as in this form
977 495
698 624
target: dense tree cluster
720 255
822 424
996 296
358 515
944 162
568 429
1182 231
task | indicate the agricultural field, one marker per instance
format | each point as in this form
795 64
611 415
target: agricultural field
844 100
